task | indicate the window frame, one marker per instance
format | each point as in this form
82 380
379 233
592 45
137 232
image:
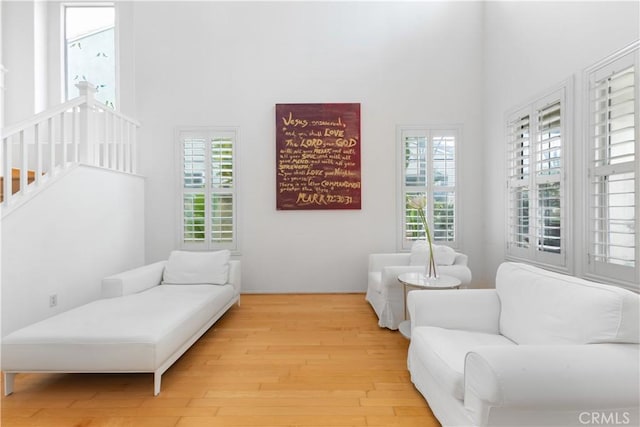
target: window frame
63 45
429 132
561 93
625 276
207 132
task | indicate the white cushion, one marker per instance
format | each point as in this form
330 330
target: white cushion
419 253
444 351
443 255
543 307
197 268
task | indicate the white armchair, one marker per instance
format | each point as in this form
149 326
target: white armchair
386 294
542 349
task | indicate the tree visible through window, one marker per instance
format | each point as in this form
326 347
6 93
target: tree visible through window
90 54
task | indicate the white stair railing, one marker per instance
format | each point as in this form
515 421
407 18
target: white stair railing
77 131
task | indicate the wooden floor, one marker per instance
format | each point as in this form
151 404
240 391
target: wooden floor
278 360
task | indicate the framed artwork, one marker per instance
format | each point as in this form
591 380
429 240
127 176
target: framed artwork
318 156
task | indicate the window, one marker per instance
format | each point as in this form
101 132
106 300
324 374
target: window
537 203
429 168
612 188
89 50
207 188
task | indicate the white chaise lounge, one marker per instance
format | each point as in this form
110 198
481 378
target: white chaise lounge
148 317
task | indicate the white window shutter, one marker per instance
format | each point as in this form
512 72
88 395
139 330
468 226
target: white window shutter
536 201
208 189
518 170
612 191
548 172
429 167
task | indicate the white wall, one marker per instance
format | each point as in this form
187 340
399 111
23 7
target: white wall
40 57
24 27
18 54
213 63
530 47
66 239
2 72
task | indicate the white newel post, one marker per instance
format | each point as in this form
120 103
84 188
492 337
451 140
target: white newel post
87 151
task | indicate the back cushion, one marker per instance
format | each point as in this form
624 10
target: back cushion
443 255
197 268
543 307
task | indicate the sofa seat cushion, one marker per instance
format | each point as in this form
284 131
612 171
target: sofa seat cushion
443 351
544 307
136 332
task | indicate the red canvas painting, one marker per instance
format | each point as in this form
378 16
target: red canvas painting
318 156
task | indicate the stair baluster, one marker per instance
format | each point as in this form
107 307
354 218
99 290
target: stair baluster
77 131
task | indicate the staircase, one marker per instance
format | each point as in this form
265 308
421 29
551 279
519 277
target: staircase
79 131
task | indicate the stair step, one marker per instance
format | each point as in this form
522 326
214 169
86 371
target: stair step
15 181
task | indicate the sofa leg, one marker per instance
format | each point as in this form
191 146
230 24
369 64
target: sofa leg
8 382
157 378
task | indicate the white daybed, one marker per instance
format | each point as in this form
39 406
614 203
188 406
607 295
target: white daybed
144 322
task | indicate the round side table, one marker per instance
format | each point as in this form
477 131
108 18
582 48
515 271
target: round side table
420 281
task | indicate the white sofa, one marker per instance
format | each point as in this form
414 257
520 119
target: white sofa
542 349
386 294
148 317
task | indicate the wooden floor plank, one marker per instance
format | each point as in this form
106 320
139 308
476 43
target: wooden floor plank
277 360
273 421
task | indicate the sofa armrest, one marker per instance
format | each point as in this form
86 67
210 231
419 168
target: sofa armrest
467 309
551 377
235 276
133 281
378 261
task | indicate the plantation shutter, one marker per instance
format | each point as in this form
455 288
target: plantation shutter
193 188
548 172
208 189
429 169
518 154
222 183
535 187
415 181
443 149
613 170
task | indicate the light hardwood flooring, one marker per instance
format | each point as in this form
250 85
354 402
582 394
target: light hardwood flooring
277 360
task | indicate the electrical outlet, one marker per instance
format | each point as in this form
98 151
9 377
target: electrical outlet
53 300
